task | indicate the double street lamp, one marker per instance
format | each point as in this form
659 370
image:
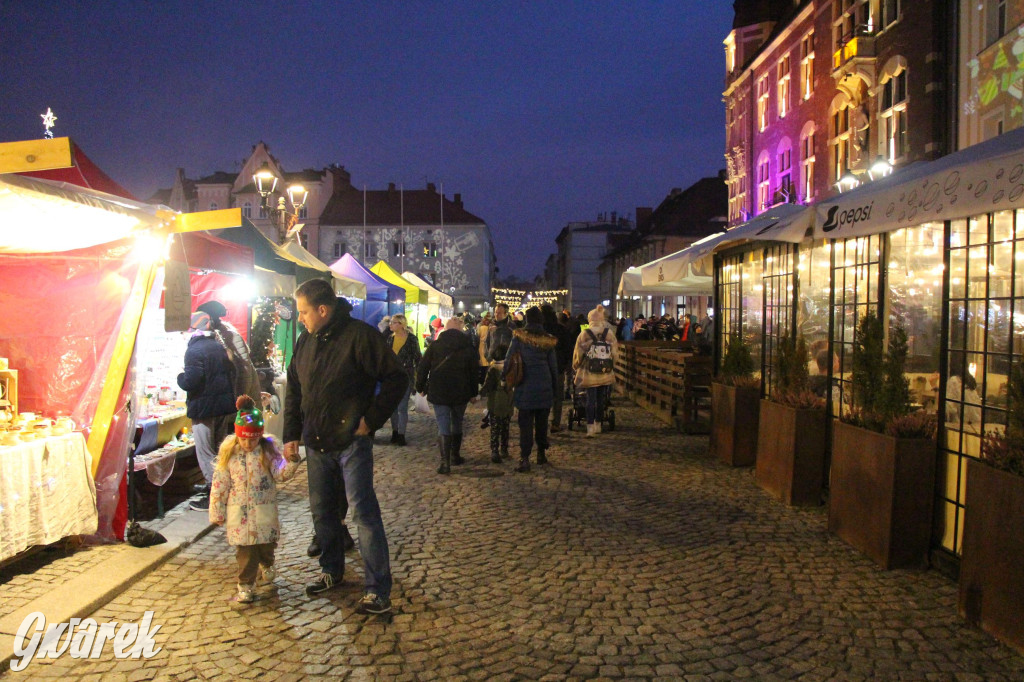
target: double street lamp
285 222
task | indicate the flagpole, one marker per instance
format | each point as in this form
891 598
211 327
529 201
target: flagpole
401 199
363 259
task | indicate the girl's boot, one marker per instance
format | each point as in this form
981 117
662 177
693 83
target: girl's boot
445 445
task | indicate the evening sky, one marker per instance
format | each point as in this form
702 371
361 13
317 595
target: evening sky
537 113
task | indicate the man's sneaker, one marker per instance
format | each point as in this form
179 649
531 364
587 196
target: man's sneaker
267 574
201 503
314 547
325 582
201 488
371 603
244 594
400 439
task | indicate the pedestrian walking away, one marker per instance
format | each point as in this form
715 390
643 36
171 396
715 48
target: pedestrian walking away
535 394
343 384
594 361
243 496
448 375
212 378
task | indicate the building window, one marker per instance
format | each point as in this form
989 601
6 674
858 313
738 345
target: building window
850 18
841 141
985 338
890 12
398 248
303 213
340 249
783 86
263 211
894 115
247 209
807 166
779 281
784 192
807 66
764 186
430 249
995 20
762 104
213 205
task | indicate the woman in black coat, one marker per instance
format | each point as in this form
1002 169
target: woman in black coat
534 396
448 374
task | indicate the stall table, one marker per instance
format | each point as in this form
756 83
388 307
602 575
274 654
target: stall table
47 492
157 450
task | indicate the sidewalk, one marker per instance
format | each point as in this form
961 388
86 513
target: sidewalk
632 555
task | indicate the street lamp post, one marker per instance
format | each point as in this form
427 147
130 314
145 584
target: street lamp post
287 224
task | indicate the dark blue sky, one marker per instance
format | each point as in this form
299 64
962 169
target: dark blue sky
538 113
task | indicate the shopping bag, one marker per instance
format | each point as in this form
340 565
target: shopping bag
420 404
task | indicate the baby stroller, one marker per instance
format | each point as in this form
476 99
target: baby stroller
577 415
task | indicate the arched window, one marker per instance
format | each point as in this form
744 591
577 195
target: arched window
764 183
784 172
840 136
247 209
892 110
213 205
807 162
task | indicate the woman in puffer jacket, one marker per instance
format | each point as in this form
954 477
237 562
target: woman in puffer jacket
536 393
597 384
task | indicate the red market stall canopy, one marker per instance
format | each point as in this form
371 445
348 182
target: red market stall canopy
82 173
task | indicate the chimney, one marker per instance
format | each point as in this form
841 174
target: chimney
391 188
614 218
431 187
457 200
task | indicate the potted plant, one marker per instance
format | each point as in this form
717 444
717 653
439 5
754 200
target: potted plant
992 561
791 440
734 407
883 456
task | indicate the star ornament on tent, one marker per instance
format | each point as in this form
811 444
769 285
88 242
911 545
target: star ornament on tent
49 120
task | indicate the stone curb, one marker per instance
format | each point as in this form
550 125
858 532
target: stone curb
85 594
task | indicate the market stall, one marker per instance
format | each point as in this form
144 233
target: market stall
439 304
382 298
415 298
76 268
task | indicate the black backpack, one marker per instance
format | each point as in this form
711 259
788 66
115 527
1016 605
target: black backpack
599 355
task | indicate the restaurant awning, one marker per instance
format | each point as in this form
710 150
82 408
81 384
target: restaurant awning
981 178
785 223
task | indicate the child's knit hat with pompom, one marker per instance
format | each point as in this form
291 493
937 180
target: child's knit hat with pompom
249 421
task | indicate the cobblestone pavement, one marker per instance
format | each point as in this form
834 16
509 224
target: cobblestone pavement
31 577
633 555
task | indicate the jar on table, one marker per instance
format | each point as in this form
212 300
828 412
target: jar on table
165 395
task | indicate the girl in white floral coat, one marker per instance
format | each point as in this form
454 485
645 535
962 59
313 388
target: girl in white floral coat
244 496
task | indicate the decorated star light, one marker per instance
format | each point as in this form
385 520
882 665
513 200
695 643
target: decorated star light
49 120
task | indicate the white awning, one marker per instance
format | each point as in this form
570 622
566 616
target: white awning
630 284
984 177
785 222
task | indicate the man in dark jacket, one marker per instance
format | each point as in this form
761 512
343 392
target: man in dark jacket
333 405
448 374
499 336
209 382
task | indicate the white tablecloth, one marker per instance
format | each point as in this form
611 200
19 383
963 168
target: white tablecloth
46 493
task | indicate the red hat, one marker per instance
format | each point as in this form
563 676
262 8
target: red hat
249 421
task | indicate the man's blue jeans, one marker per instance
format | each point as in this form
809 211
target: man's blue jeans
400 417
325 471
449 418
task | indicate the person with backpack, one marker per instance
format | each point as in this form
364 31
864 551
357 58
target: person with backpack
594 362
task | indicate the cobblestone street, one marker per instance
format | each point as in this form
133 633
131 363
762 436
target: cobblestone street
632 555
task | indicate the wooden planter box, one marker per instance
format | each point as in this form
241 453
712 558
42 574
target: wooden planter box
791 453
881 495
992 562
734 415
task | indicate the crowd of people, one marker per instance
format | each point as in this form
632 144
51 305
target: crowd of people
347 379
